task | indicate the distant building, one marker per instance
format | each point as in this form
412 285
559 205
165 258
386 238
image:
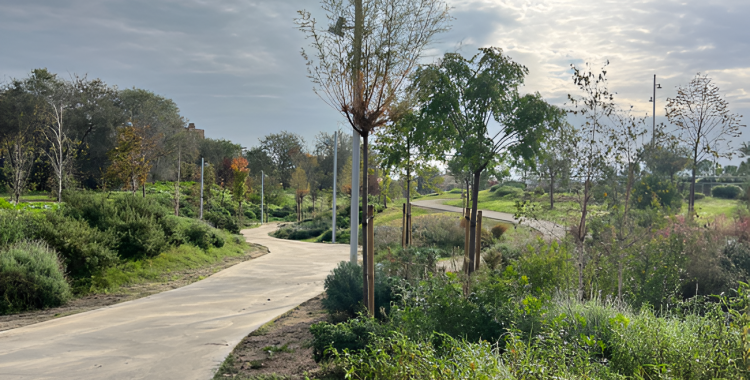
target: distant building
200 132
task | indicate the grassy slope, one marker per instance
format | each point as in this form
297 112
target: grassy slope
160 267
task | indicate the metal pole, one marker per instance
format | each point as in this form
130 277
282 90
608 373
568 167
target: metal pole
354 216
262 185
653 130
201 213
335 159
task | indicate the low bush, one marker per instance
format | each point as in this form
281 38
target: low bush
353 336
343 288
655 191
224 221
411 263
84 249
458 190
516 184
5 205
508 192
726 192
494 188
539 191
387 236
15 226
698 196
31 277
498 230
437 230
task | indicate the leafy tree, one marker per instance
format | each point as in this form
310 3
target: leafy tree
555 158
283 149
130 161
705 123
667 160
214 151
460 97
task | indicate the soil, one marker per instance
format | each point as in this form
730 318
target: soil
280 349
126 293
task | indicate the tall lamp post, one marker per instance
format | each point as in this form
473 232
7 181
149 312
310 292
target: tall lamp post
335 169
203 164
653 115
262 184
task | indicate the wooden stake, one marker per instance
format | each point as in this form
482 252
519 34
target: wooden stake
467 223
477 256
408 226
371 261
403 226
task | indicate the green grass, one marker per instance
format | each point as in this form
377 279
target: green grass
394 212
163 266
709 208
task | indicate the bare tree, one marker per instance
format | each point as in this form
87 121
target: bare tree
359 71
705 123
61 147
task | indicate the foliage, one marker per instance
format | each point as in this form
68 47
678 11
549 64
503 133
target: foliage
15 226
498 230
654 191
85 250
223 220
726 192
440 231
508 192
31 277
343 288
130 158
353 335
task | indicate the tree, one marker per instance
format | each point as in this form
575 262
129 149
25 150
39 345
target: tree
593 144
214 151
239 185
555 158
22 117
130 162
667 160
302 188
359 72
460 97
704 122
283 149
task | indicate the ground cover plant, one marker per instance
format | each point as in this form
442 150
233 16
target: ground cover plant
101 241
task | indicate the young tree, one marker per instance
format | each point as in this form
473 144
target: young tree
284 150
460 97
22 117
302 188
359 72
555 158
704 122
593 144
239 185
130 162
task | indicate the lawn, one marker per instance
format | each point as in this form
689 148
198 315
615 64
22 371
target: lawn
709 208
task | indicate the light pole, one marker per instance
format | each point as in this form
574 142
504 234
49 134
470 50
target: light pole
653 100
262 184
202 165
335 161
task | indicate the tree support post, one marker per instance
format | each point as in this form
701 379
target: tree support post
479 240
467 212
370 261
403 226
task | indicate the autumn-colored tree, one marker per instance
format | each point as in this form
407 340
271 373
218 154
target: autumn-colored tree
239 183
130 162
302 186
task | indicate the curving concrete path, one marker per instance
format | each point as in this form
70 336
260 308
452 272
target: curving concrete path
180 334
548 229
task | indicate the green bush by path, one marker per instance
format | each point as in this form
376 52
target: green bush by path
508 192
653 190
726 192
343 289
31 277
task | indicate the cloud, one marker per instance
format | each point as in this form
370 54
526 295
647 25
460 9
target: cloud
234 66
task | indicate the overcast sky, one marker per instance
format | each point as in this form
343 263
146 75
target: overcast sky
234 68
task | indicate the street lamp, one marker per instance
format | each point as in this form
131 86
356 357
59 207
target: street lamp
335 161
203 164
653 100
262 184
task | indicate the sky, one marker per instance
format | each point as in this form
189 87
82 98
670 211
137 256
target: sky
234 67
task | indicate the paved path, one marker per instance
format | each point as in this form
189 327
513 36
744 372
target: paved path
548 229
181 334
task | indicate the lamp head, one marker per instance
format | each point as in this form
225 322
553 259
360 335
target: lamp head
651 100
337 29
658 86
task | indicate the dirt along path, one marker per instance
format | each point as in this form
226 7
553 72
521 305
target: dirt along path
184 333
548 229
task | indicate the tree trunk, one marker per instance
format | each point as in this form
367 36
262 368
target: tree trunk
691 200
582 236
551 190
473 222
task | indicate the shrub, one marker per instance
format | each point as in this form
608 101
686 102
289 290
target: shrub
726 192
343 288
31 277
548 267
539 191
5 205
441 231
222 220
458 190
202 236
498 230
699 196
15 226
353 335
84 249
494 188
386 236
652 190
508 192
139 236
